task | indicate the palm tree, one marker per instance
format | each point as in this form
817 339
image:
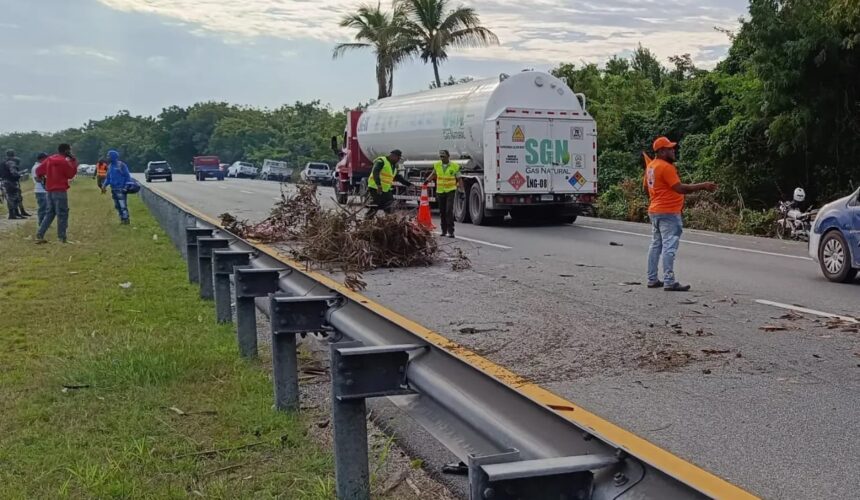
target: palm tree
382 32
433 27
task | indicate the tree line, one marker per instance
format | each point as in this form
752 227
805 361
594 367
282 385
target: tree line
295 133
782 110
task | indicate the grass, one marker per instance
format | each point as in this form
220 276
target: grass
93 376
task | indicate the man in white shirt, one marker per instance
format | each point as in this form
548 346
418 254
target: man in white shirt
39 189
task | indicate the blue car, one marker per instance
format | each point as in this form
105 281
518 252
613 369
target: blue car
835 239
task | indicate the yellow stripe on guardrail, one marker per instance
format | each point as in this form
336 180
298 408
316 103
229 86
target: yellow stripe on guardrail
670 464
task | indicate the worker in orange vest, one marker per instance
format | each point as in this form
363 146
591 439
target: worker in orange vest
101 172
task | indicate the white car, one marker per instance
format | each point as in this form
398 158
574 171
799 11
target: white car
242 169
319 173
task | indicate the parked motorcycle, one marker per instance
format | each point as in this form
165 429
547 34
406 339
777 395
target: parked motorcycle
792 223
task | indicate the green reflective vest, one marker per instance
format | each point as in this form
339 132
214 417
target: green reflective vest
386 175
446 178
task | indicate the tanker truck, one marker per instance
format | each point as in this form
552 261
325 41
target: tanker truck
525 143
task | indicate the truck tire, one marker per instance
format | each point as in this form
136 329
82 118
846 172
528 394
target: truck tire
477 211
342 198
565 219
461 208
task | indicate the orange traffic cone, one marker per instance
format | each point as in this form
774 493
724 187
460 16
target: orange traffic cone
424 209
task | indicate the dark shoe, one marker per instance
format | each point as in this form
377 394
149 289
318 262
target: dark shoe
15 217
444 234
25 214
655 284
677 287
125 221
451 235
41 241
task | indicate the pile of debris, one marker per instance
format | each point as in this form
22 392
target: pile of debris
339 239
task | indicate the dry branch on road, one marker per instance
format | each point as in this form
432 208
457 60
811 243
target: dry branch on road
339 239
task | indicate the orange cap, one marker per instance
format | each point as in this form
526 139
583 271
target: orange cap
663 143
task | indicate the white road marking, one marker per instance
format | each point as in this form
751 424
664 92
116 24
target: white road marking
480 242
806 310
713 245
246 192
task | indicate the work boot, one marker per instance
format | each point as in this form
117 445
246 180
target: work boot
655 284
25 214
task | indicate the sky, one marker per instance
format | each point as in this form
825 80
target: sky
68 61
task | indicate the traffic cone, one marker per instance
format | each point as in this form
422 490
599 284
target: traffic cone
424 209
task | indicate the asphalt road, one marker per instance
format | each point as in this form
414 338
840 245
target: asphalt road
775 412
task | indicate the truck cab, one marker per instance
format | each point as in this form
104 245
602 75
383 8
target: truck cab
207 166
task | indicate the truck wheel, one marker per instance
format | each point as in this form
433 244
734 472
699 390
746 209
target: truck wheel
342 198
565 219
461 208
835 258
476 207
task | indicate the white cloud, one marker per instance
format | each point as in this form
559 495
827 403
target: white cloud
77 51
37 98
537 31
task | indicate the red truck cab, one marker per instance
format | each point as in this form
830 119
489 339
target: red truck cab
207 166
353 167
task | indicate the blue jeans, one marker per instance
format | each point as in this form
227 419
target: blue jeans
42 204
58 206
666 232
120 202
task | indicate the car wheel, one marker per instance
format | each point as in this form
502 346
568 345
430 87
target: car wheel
834 258
148 179
170 179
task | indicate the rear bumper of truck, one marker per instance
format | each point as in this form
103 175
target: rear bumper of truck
578 203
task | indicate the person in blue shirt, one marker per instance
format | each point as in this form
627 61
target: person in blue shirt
118 176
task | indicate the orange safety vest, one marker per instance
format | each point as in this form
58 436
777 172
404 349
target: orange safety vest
101 170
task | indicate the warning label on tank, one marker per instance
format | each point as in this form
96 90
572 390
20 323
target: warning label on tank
576 133
512 159
518 136
517 180
577 180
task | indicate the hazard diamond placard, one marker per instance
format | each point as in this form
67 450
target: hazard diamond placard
517 180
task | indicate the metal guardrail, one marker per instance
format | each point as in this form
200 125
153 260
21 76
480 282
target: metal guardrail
518 440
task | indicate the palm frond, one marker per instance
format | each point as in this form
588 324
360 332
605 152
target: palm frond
342 48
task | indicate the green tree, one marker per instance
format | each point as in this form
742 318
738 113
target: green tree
433 27
452 81
383 32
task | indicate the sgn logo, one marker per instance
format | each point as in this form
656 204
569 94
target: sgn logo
547 152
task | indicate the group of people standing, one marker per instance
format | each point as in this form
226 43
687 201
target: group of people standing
52 175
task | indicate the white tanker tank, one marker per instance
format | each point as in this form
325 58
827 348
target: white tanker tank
525 142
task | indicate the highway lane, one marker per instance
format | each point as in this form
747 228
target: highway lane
774 412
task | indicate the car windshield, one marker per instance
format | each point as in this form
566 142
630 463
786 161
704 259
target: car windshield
159 164
318 167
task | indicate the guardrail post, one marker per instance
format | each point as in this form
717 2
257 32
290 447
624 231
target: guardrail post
250 284
358 373
291 316
191 235
204 259
223 264
504 476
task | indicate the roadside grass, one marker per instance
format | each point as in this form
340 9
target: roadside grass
132 392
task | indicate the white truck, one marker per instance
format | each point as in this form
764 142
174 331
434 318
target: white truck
274 170
242 169
525 142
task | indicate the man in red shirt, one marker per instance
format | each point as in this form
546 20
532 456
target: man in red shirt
666 192
57 170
